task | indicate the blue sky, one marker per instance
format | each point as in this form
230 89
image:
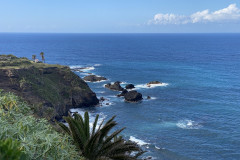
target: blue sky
120 16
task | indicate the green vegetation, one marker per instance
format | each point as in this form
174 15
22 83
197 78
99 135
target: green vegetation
34 57
42 55
13 62
97 144
24 137
51 86
10 150
36 138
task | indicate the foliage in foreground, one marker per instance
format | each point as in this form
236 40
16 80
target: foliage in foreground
10 150
97 144
36 137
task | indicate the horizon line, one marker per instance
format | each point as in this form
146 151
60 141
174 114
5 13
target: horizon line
120 32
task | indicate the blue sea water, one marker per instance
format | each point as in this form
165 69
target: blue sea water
194 116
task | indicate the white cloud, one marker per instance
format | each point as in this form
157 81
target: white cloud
169 19
229 14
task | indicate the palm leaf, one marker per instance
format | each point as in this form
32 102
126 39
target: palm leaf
99 145
86 125
94 124
64 128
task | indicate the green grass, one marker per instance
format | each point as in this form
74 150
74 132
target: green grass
36 137
50 86
13 62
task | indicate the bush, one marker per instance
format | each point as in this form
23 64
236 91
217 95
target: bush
10 150
36 137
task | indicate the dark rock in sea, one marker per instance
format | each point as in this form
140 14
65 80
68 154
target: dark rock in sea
118 82
102 99
107 104
123 93
154 82
133 96
148 97
129 86
94 78
147 158
108 85
116 86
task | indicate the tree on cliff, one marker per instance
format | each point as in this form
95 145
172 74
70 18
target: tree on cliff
34 57
42 55
96 144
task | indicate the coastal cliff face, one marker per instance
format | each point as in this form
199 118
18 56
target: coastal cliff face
51 89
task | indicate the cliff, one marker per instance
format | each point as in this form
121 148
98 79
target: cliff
51 89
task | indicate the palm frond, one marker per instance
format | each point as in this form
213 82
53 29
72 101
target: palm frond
95 124
99 145
64 128
86 125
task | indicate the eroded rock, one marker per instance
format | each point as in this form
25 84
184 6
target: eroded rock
115 86
133 96
129 86
94 78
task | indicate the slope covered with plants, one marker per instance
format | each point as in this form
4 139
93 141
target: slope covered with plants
33 136
52 89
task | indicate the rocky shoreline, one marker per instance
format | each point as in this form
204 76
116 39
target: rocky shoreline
128 92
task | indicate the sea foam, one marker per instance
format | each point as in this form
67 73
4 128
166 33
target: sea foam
188 124
138 141
75 66
145 86
82 68
92 116
87 69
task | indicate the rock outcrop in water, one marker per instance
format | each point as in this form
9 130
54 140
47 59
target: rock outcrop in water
115 86
123 93
51 89
133 96
94 78
153 82
130 86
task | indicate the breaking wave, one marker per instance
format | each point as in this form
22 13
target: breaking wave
188 124
145 86
138 141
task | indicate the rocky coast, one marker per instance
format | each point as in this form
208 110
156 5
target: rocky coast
51 89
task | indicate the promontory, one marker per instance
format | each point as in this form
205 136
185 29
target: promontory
50 88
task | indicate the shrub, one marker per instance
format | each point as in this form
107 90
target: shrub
10 150
36 136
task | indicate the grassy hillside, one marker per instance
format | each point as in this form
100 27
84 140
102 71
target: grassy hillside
13 62
37 139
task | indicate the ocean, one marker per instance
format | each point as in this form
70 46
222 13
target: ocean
194 115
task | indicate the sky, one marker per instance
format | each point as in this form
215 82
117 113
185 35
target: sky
120 16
